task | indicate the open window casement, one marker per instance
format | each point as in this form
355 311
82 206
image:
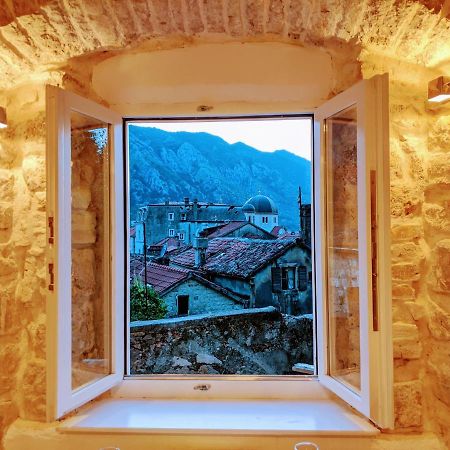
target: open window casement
87 266
85 203
352 250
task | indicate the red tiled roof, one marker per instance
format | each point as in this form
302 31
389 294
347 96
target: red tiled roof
238 257
223 230
163 278
276 230
291 235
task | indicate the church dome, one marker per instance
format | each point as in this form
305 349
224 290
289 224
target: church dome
260 204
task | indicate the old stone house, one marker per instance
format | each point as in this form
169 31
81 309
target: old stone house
186 293
183 220
236 229
244 57
262 272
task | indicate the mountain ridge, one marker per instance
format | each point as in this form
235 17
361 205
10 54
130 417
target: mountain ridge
172 165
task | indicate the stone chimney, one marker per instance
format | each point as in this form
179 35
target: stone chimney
200 247
186 201
195 208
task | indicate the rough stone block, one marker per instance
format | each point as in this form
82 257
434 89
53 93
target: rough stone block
6 185
83 275
407 250
408 271
416 310
405 200
408 404
401 313
403 292
406 370
9 362
441 380
8 264
33 170
441 269
437 217
36 334
439 135
6 216
407 231
33 404
438 322
83 227
81 198
406 344
439 168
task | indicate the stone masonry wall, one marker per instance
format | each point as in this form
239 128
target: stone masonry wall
419 146
88 265
22 257
251 342
420 230
202 300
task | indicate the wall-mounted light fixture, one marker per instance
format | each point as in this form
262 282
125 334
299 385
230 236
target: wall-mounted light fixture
439 90
3 121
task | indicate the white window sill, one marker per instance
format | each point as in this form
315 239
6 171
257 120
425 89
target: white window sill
322 417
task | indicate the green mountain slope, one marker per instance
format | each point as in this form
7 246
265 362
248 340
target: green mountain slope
170 166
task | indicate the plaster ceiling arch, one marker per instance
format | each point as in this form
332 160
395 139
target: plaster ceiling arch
37 36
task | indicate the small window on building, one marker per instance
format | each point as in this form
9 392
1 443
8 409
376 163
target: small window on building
276 279
183 216
275 219
302 278
171 232
171 216
287 278
183 305
181 236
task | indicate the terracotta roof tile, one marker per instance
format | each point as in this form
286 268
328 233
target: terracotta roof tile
238 257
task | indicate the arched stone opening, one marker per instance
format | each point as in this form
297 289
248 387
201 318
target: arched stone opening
77 44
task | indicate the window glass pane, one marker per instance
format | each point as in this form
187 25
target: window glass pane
219 225
342 248
90 249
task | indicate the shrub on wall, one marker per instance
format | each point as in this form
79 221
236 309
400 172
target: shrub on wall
145 304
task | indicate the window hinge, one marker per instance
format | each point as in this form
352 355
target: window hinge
51 231
51 285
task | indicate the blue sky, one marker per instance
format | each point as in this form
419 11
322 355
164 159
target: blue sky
293 135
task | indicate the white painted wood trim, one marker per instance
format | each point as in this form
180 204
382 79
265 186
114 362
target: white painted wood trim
376 397
61 397
226 387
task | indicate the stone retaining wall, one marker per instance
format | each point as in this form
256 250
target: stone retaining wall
253 342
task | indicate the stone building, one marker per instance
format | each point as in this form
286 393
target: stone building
236 229
243 57
261 272
183 220
185 293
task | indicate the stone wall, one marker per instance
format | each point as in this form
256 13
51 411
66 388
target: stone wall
22 257
399 37
420 194
251 342
89 164
202 300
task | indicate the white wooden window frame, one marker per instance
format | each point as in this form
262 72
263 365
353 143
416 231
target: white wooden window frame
376 399
60 397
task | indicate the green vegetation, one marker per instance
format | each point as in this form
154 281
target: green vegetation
145 305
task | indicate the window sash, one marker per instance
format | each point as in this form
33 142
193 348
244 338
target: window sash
61 398
375 399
